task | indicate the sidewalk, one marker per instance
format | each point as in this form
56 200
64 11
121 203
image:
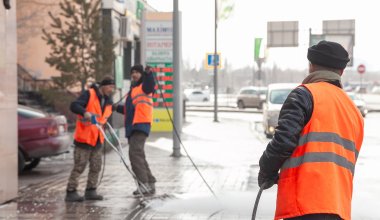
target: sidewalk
226 153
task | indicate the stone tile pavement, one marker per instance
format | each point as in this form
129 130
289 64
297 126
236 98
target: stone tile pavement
226 154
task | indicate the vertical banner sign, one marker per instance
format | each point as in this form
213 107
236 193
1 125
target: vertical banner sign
139 9
158 46
257 48
119 72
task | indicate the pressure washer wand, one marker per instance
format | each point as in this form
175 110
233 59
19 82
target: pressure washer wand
258 199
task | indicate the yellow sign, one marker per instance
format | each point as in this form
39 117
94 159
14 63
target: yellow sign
161 120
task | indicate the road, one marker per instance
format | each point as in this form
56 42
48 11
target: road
226 153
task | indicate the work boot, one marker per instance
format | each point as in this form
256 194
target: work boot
91 194
73 196
146 190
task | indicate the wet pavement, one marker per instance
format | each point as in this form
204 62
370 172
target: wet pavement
226 153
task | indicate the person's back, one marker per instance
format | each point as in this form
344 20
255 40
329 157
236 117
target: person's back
316 144
318 175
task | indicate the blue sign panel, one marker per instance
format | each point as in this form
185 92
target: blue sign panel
212 60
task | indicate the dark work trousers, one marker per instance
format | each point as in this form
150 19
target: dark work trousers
316 217
137 157
81 157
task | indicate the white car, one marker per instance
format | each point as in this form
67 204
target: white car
276 96
359 102
196 95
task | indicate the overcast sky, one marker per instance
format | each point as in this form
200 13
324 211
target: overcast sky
249 20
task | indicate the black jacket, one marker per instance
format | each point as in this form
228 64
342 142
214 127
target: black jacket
79 107
148 85
295 114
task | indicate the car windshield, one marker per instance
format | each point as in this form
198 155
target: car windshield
263 92
197 93
279 96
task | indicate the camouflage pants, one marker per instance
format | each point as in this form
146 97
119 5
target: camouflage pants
81 157
137 157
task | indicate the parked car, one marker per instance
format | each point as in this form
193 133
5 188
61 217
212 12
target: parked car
276 96
40 135
251 96
359 102
197 95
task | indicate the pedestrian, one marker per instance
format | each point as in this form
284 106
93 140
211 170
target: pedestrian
138 110
88 140
316 143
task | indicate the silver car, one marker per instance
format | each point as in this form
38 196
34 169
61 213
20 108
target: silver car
251 96
276 96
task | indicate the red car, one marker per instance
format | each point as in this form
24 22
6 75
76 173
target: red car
40 135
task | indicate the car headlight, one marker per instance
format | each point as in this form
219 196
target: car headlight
262 97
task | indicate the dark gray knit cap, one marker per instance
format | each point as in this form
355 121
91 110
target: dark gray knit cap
328 54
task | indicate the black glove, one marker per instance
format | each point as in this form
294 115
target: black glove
269 180
148 69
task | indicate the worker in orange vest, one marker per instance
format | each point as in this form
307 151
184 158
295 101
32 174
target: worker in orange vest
88 140
316 143
138 118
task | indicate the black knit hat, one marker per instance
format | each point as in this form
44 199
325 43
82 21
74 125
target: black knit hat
328 54
138 67
107 80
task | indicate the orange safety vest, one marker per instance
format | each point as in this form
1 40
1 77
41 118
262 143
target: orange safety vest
88 133
143 104
318 176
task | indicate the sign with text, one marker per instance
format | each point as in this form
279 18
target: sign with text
119 72
158 43
158 53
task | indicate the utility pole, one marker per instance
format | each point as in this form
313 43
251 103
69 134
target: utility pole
216 66
177 94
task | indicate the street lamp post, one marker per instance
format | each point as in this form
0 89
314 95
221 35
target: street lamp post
216 65
177 125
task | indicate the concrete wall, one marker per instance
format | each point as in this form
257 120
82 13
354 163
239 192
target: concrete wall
8 104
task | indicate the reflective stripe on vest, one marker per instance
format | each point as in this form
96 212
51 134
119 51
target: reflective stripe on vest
320 157
328 137
318 176
323 156
143 104
87 133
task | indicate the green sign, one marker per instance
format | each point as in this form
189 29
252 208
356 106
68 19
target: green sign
139 10
119 72
257 48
